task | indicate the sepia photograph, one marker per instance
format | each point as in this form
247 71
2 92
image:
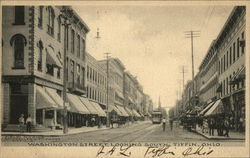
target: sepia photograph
124 79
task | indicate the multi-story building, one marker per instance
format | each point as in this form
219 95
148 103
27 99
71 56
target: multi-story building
209 76
115 81
230 46
96 81
33 58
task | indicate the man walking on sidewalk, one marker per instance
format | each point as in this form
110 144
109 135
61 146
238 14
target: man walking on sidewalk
164 123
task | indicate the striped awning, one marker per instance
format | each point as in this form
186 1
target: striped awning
76 104
88 105
43 100
98 108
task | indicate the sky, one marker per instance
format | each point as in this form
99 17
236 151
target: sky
150 41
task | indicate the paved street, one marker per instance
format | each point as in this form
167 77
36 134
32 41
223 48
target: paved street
137 132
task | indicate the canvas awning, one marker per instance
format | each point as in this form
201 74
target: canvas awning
43 100
76 104
206 108
122 110
217 108
51 58
98 108
89 106
136 113
52 93
129 111
120 94
239 74
114 108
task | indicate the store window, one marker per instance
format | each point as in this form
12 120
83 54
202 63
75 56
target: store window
19 15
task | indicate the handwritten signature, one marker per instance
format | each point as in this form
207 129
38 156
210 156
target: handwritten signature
199 151
153 151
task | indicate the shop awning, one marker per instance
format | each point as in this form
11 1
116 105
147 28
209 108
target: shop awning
129 111
98 108
239 74
120 94
88 105
136 113
114 108
206 108
122 110
43 100
217 108
51 58
52 93
76 104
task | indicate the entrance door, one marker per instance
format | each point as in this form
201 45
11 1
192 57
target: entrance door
18 102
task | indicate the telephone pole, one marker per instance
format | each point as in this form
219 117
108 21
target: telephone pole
107 107
183 71
192 34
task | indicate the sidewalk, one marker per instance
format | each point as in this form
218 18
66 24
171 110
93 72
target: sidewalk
232 135
71 131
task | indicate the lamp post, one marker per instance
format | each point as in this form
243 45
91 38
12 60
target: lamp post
65 23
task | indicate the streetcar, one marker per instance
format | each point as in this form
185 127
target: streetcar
156 116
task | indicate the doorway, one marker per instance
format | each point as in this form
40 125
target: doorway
18 102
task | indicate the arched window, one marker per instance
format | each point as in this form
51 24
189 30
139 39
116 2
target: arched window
40 56
51 18
40 17
18 41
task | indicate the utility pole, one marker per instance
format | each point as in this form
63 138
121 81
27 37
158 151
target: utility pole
183 71
192 34
66 25
107 107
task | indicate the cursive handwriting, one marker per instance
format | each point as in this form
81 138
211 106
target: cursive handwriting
158 151
199 151
124 151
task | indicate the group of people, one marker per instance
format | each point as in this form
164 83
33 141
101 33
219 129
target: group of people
23 122
221 124
164 124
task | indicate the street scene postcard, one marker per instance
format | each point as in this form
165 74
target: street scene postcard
151 79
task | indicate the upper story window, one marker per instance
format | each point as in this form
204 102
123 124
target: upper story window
51 19
59 29
242 43
83 49
40 56
78 46
72 41
19 42
40 17
19 15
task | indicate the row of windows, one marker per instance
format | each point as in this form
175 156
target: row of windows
96 77
80 71
80 42
96 95
235 51
78 46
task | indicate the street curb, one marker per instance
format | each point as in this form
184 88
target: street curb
50 135
217 138
54 135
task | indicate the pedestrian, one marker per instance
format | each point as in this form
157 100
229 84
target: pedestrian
211 125
226 127
163 123
93 121
21 123
28 123
171 124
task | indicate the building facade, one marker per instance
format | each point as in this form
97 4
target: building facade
209 77
231 65
33 48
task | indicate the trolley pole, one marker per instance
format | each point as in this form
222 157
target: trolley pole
65 24
107 107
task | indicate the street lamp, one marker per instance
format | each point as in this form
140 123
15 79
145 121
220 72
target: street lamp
64 14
